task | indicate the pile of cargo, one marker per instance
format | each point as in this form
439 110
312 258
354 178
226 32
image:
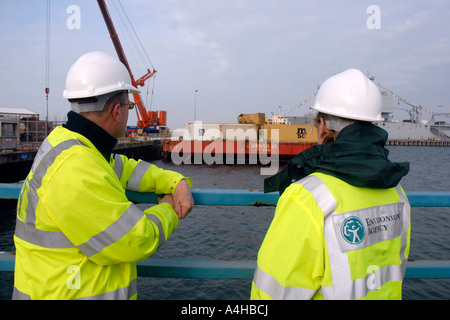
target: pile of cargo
250 127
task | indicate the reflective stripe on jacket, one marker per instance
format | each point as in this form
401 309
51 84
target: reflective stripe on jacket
331 240
77 236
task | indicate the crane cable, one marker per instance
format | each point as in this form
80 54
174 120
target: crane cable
136 43
47 62
137 37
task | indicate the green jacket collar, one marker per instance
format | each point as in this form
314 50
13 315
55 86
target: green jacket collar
357 157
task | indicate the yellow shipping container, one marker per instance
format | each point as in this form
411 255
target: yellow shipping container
291 132
254 118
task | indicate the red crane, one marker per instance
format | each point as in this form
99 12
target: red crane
144 120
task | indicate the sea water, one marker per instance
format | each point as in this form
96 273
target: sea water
221 232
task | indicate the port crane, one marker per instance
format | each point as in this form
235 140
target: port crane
145 118
415 114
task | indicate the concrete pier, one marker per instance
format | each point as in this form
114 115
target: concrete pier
426 143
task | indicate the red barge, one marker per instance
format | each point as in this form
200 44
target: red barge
254 140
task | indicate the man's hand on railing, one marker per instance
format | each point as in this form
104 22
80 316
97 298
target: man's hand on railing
183 200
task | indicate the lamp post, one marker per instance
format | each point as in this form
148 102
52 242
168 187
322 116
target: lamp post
195 105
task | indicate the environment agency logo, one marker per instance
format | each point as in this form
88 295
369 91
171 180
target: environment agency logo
352 230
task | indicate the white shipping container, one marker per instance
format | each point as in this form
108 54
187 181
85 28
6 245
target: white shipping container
198 131
239 132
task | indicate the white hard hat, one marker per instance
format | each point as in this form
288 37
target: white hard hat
95 74
351 95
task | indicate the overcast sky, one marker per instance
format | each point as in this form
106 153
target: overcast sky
243 56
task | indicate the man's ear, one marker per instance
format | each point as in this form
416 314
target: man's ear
115 112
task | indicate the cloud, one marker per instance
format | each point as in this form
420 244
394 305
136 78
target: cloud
241 55
253 56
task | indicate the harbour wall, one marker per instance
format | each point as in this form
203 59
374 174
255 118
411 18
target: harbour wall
15 164
425 143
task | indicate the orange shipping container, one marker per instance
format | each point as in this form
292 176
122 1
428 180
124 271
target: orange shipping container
163 118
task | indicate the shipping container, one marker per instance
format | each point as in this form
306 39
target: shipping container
239 132
290 133
254 118
198 131
163 118
8 134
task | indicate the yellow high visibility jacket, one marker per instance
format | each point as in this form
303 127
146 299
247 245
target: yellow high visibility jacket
77 236
332 240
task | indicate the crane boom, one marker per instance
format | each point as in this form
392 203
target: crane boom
141 110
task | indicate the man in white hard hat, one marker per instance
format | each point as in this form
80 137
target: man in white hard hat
341 229
77 235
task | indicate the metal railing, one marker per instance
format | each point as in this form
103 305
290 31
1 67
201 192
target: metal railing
242 269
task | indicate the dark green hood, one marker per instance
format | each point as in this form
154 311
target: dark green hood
357 157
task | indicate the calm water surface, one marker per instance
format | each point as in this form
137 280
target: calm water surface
219 232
